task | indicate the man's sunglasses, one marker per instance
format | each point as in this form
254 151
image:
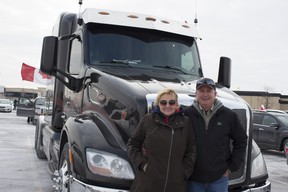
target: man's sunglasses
205 81
164 102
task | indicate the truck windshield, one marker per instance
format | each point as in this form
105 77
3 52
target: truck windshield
142 48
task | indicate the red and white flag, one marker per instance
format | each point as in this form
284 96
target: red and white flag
262 107
33 74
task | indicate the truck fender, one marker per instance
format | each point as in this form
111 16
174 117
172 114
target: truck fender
38 144
90 131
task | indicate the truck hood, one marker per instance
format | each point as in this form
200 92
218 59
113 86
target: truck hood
150 82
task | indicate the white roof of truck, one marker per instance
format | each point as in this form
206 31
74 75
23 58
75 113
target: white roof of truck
138 20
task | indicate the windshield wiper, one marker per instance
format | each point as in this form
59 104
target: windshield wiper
127 62
170 67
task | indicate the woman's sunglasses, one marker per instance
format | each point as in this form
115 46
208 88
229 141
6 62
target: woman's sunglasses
164 102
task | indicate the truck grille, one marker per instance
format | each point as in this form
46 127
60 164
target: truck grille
242 116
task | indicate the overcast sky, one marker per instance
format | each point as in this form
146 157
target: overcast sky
253 33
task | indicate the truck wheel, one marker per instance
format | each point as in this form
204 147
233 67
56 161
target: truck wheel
65 169
37 143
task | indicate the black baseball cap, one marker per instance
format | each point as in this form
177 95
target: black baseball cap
205 81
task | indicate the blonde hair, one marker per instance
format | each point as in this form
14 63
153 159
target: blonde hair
165 91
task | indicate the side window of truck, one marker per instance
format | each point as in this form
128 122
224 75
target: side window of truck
189 60
186 61
75 57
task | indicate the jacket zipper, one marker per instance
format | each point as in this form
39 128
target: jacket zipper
169 158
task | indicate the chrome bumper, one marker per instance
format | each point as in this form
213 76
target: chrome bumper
79 186
263 188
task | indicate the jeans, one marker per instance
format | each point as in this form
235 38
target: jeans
220 185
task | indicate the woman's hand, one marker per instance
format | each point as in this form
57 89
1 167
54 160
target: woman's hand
144 168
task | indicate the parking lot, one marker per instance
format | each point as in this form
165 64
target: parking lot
22 171
278 170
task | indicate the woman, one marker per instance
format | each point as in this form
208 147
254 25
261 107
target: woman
162 148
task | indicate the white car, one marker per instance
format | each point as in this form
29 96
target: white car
5 105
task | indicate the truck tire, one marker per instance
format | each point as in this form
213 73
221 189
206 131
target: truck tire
65 169
37 143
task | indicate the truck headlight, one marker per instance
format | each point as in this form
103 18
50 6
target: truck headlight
258 166
108 164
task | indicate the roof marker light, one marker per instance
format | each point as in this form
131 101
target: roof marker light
164 21
186 26
133 16
150 19
103 13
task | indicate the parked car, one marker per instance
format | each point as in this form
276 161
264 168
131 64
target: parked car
5 105
272 111
286 151
41 107
276 111
270 130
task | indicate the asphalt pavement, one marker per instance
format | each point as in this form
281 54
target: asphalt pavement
277 169
22 171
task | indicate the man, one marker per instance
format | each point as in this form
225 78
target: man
214 126
15 104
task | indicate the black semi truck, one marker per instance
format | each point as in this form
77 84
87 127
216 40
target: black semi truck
108 67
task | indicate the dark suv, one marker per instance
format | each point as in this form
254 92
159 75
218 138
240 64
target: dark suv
270 130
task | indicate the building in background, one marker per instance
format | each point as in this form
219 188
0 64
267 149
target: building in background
270 100
14 93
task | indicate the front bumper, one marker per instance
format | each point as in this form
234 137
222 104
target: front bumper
6 109
77 186
263 188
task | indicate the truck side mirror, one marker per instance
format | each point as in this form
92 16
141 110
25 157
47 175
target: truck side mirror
49 54
224 74
94 77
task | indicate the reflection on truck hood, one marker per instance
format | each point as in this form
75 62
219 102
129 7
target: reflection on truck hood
154 80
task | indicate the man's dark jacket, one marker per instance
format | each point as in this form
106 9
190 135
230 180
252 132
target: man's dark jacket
214 155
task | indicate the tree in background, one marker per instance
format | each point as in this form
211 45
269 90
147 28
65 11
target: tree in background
267 100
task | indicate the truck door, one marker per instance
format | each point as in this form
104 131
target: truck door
25 107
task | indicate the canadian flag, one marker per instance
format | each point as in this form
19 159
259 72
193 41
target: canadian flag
33 74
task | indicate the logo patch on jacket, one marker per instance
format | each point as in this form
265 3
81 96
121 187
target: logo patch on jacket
219 123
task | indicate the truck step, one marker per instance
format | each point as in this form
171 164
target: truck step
52 167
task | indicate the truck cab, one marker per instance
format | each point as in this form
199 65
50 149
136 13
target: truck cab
108 67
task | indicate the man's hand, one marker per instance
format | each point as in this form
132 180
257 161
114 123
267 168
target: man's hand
227 173
143 150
